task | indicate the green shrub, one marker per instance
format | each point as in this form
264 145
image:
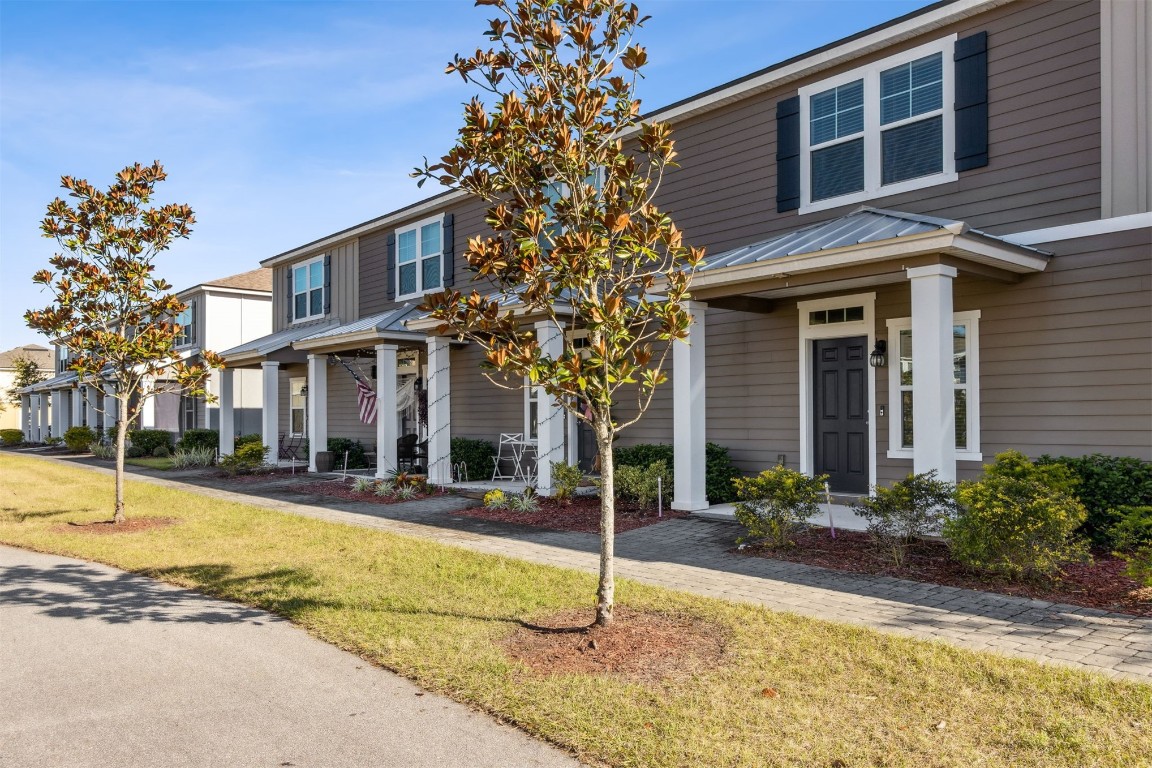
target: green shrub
79 438
474 458
246 458
54 440
775 503
103 452
1132 537
199 438
1019 520
565 479
186 458
642 484
363 485
915 507
496 499
1106 483
161 452
357 459
524 502
11 437
132 452
252 439
719 471
147 440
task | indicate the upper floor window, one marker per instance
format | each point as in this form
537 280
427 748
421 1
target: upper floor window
61 359
187 322
308 289
419 256
879 130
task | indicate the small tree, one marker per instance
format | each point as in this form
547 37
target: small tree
577 237
26 372
110 311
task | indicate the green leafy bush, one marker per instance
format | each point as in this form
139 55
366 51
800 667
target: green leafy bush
1106 483
103 452
252 439
496 499
357 459
54 440
915 507
187 458
643 484
132 452
1019 520
199 438
775 503
566 479
719 470
79 438
161 452
11 437
246 458
147 440
473 456
1132 537
524 502
363 485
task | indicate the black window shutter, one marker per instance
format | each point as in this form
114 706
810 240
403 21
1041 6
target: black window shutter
971 101
290 300
327 283
788 154
192 326
449 243
390 270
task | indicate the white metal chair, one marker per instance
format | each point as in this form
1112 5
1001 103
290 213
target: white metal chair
509 451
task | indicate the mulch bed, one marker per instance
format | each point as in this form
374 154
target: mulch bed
638 645
1099 584
107 527
260 477
581 514
343 490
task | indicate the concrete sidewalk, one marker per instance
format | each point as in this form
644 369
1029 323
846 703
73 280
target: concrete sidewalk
102 668
693 555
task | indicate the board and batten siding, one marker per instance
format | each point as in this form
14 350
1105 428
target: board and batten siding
345 285
1044 140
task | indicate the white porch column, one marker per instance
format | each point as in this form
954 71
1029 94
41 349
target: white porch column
573 439
148 405
933 393
688 400
550 416
26 417
270 408
387 420
227 414
58 412
44 431
317 407
111 411
90 395
77 401
439 412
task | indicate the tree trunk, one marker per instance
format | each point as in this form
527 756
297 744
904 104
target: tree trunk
606 590
121 435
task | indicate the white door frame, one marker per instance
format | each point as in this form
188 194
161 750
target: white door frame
807 334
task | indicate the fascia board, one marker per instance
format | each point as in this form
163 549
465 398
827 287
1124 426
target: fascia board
358 338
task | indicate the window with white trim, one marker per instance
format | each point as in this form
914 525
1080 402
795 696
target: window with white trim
308 289
965 383
879 130
186 320
297 401
419 258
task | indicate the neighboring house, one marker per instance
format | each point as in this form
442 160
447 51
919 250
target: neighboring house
927 243
220 313
10 417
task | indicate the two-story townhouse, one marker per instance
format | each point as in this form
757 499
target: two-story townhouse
928 243
13 417
219 313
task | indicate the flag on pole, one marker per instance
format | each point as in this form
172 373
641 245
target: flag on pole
366 399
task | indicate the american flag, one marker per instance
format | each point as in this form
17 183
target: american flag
366 399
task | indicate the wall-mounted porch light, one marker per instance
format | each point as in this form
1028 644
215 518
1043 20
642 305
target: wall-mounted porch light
879 356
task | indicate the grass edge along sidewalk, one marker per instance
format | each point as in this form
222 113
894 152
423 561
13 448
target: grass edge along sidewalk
789 690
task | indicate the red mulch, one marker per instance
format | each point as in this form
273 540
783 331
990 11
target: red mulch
638 645
581 514
261 477
106 527
1099 584
343 490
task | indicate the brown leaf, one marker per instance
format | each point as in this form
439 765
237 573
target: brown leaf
769 693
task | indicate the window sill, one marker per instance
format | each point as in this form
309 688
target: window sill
309 319
418 295
891 189
906 453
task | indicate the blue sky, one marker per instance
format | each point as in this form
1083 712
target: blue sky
281 122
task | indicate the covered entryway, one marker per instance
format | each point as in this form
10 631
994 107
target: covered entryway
840 417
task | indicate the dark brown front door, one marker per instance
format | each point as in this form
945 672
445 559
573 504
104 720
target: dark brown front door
840 412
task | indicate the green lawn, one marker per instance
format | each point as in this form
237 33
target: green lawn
150 462
847 696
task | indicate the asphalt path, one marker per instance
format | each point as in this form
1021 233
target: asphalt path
103 668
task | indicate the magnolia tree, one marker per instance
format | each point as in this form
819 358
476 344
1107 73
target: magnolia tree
570 173
109 309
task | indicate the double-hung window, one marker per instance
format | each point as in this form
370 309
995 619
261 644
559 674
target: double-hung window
308 289
419 257
965 386
879 130
187 322
297 402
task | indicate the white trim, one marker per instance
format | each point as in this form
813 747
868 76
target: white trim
896 450
870 74
421 289
292 381
1083 229
807 333
305 265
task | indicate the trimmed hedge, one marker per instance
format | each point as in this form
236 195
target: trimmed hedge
79 439
11 436
148 440
199 438
476 454
1105 484
719 470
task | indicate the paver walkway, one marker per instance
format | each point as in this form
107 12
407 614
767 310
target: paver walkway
692 555
104 668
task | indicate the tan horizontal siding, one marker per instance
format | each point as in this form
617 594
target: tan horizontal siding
480 409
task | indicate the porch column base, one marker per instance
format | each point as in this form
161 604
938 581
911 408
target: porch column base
688 398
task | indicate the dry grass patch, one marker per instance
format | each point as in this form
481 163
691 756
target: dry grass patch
442 616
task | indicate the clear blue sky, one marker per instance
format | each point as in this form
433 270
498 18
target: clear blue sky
282 122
